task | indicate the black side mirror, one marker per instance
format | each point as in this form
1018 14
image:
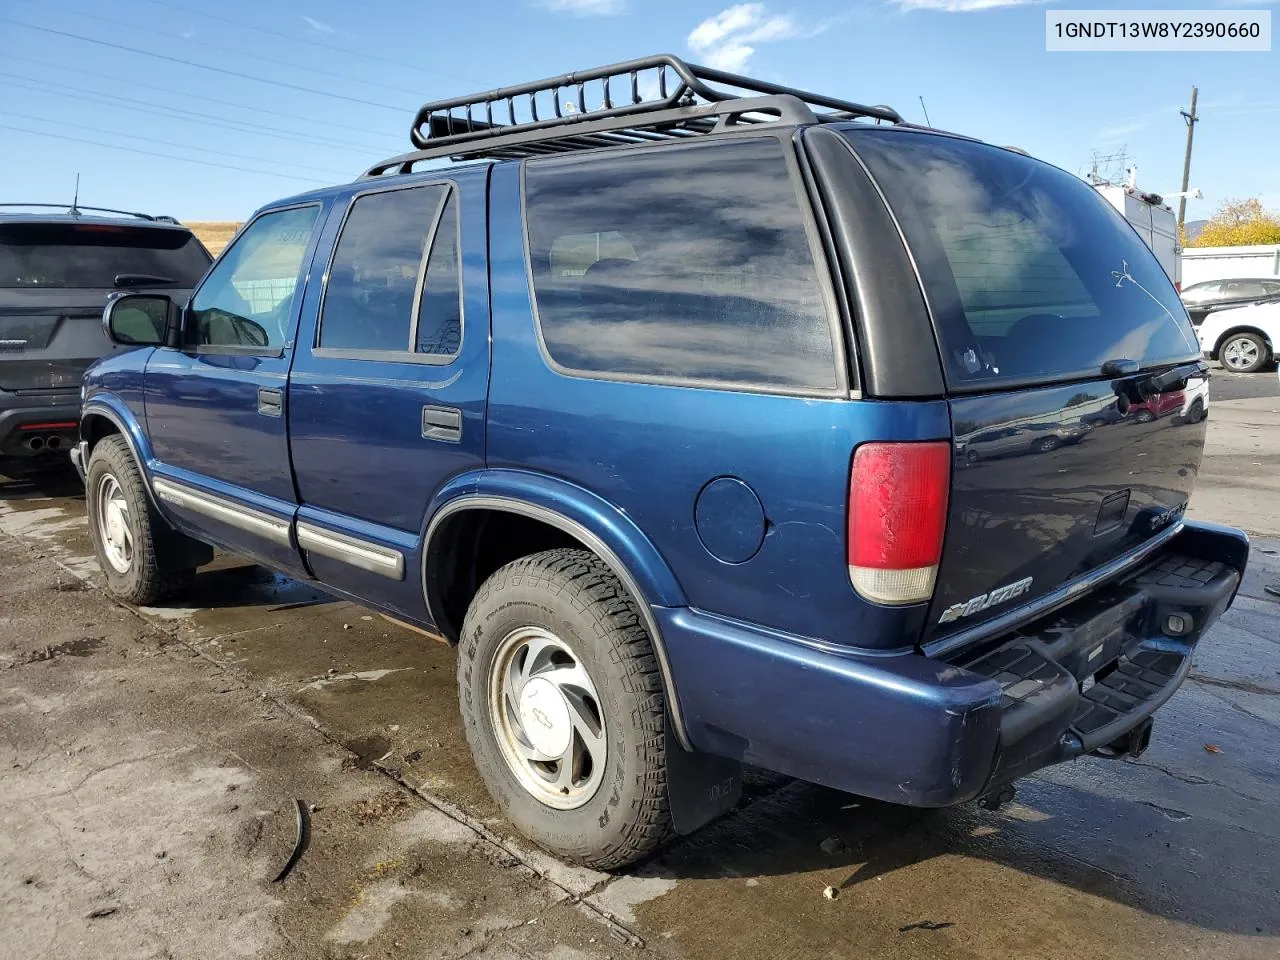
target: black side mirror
140 319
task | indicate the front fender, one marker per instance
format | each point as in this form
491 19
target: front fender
574 509
111 408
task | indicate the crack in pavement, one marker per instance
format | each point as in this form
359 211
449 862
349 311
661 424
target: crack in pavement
1241 708
1194 780
1244 686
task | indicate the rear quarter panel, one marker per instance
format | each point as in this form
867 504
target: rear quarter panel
650 450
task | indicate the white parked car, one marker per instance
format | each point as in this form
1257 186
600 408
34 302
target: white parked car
1243 339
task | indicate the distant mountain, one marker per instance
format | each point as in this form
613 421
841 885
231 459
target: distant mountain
1193 228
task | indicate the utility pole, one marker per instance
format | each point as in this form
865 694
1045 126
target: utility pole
1191 118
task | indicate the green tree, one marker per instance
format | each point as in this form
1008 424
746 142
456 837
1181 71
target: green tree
1239 223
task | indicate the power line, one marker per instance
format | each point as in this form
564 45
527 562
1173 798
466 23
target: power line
202 66
177 113
45 4
152 153
313 42
179 93
180 146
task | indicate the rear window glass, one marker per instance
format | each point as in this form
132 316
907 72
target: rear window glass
686 264
1031 276
92 256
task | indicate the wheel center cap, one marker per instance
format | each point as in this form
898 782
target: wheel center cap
115 524
545 717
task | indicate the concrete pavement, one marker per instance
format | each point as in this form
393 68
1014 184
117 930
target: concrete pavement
187 731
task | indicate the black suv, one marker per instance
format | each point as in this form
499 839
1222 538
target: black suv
58 267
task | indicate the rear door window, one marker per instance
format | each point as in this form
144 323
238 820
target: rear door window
93 255
1030 275
369 296
686 264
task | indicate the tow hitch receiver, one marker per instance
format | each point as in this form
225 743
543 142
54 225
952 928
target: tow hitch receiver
1132 744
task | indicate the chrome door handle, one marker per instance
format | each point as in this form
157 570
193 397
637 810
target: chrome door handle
442 423
270 402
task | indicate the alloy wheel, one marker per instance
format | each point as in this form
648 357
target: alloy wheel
1240 353
547 719
115 526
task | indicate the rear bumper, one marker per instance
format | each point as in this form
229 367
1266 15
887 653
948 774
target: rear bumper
920 731
37 427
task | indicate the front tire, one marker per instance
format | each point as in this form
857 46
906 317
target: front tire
563 708
125 528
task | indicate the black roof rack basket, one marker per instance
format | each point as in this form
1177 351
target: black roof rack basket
653 98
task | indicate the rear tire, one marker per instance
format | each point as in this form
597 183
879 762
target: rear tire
1244 353
554 641
126 528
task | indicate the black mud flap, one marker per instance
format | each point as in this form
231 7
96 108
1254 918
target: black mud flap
700 786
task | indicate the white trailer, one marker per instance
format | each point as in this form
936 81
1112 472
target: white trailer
1230 263
1154 220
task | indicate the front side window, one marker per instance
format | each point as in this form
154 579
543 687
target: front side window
379 275
1201 292
246 302
679 264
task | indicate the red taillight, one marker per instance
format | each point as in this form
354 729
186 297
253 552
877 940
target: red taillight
897 517
60 425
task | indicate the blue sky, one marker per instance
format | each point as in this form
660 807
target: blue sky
979 64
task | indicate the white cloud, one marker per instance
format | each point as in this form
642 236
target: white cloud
587 8
316 25
728 40
962 6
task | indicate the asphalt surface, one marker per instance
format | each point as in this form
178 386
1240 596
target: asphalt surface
1224 385
149 760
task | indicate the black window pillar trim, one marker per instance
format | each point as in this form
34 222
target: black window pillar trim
897 347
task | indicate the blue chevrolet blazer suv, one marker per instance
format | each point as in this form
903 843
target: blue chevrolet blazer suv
716 423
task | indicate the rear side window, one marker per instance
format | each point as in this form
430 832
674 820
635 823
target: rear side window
1030 275
686 264
371 300
94 255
